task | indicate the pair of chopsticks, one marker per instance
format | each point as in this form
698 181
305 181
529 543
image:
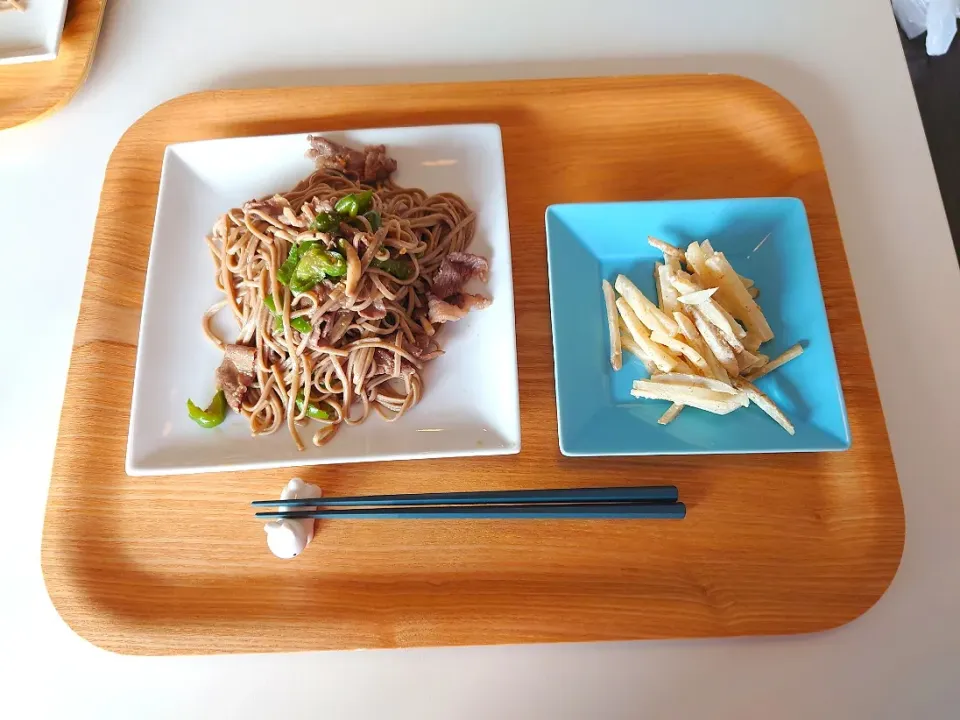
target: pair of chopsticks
624 503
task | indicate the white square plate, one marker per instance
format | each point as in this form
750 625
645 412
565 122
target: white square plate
470 404
33 35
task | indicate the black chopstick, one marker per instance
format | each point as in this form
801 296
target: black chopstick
599 511
657 494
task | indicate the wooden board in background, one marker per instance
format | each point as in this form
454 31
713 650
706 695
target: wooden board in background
773 544
32 90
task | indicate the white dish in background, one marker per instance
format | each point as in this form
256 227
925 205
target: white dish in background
470 404
33 35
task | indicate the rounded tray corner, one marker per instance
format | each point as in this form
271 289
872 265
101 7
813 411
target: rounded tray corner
53 83
476 583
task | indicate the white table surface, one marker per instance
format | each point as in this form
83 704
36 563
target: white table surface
840 62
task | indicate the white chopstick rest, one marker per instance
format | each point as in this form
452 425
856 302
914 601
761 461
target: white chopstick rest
288 538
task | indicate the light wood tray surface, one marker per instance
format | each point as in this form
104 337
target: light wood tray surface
773 544
33 90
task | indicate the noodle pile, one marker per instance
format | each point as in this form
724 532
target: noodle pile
363 339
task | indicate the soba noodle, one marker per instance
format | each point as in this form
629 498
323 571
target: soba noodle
337 365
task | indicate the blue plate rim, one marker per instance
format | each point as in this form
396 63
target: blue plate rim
845 442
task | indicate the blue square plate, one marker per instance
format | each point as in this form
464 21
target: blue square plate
596 414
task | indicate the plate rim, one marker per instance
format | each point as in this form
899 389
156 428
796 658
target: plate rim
843 443
41 53
139 467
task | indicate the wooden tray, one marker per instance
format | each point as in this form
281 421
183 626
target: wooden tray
34 90
773 544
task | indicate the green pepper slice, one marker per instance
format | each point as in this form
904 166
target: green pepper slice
313 411
326 222
215 413
301 324
398 268
314 265
285 271
298 323
355 203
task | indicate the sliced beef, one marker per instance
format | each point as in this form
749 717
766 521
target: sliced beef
374 311
328 154
384 363
272 205
454 307
336 324
372 165
323 206
377 165
245 358
454 272
424 348
236 373
466 301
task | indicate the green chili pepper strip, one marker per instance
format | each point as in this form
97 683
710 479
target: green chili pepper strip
310 270
364 201
347 205
298 287
355 203
213 415
398 268
317 264
373 217
313 411
300 324
326 222
337 264
285 272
